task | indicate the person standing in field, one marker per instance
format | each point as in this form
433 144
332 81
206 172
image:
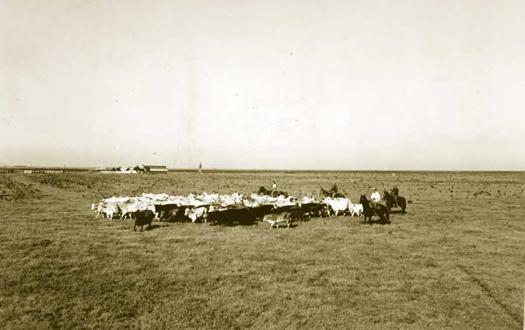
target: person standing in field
200 168
274 187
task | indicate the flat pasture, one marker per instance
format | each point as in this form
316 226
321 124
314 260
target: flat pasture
455 260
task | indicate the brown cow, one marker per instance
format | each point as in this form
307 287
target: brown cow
280 219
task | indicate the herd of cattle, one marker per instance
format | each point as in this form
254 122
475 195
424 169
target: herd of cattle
224 209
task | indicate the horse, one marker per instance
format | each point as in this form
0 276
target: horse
395 191
333 195
374 209
394 200
268 192
263 191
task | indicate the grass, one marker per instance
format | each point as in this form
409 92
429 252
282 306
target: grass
455 260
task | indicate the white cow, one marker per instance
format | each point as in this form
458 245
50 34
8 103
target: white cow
355 209
231 200
336 205
249 202
195 213
284 201
308 200
108 210
208 198
128 209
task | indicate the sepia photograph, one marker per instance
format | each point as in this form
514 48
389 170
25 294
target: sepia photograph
262 164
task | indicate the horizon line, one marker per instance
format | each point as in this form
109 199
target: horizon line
183 169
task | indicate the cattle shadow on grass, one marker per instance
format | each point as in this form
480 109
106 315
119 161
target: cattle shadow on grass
377 222
232 223
397 212
152 227
293 225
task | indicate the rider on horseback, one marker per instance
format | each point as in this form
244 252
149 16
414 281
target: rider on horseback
395 193
375 196
333 190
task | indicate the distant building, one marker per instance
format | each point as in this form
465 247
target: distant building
155 169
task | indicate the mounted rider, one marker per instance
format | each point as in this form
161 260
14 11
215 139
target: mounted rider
395 193
375 196
333 190
274 187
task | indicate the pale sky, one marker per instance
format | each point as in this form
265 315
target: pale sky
414 85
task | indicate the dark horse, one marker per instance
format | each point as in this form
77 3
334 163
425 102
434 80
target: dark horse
374 209
395 201
330 194
268 192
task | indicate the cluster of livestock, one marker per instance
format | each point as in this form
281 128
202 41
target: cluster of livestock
226 209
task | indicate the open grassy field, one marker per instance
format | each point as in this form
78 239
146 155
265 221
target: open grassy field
455 260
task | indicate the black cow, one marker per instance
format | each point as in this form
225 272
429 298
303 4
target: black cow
260 211
144 217
282 209
236 216
178 214
313 210
165 210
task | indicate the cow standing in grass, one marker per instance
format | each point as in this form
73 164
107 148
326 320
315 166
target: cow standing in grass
197 213
310 210
284 219
355 209
336 206
239 216
142 218
107 210
164 211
